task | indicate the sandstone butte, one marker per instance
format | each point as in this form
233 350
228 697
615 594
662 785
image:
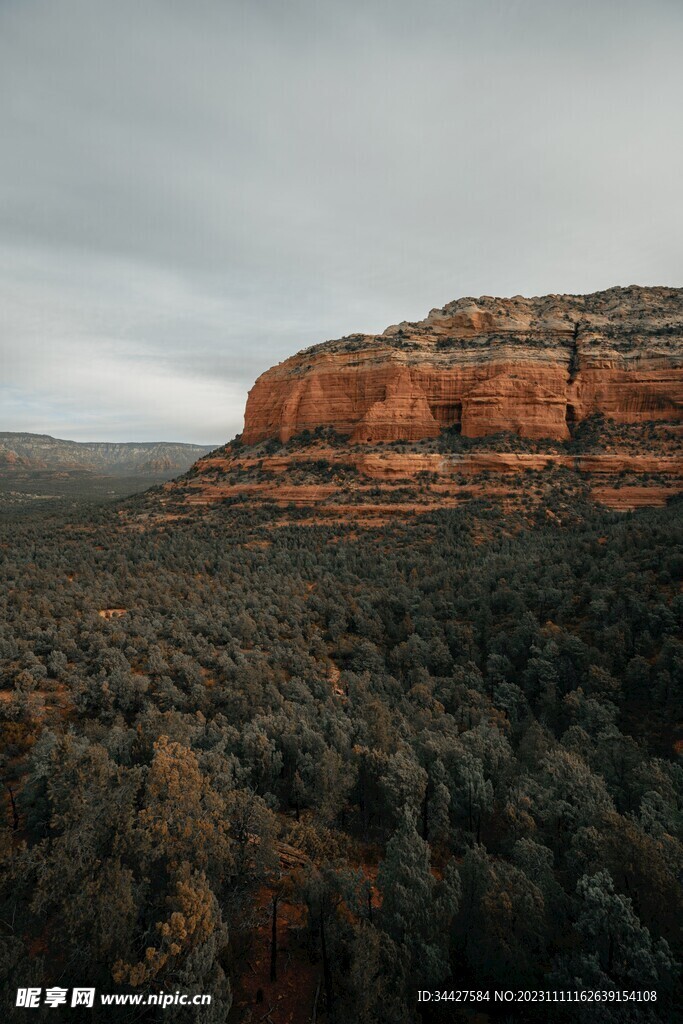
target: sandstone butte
532 367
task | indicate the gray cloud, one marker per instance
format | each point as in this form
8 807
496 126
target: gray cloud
190 192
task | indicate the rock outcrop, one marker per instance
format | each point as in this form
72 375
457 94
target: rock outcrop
535 367
505 399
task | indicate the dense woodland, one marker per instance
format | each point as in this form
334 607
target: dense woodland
450 742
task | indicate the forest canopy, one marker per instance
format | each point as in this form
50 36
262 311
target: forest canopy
446 745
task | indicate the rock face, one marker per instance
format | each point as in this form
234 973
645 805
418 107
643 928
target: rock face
535 367
521 401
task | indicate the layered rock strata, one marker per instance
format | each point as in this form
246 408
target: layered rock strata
535 367
355 482
592 384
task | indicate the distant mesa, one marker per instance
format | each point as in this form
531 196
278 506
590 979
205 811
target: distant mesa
40 452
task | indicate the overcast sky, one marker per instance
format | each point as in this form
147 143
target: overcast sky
192 190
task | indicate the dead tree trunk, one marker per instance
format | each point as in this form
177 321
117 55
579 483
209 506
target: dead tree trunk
15 813
327 974
273 939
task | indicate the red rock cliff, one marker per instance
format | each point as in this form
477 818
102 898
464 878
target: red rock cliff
533 366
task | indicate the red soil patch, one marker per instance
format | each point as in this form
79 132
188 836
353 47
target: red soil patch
623 499
289 999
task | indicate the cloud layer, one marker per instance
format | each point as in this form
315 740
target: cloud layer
190 192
